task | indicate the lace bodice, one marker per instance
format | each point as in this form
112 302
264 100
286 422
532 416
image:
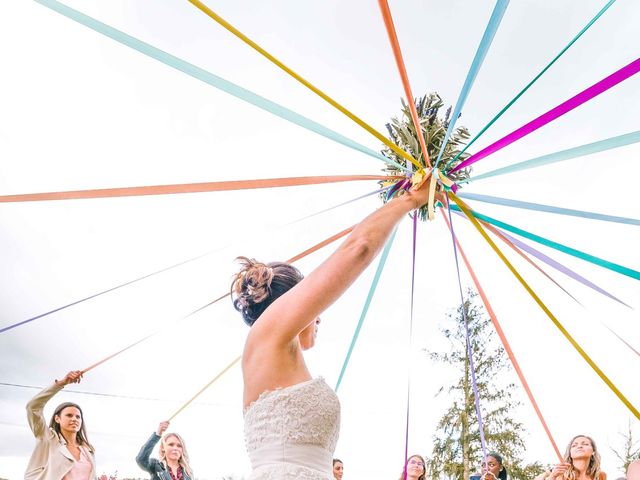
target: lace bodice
292 432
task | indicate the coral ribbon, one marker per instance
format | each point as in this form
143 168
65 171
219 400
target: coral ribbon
397 53
467 211
187 188
503 339
291 260
217 18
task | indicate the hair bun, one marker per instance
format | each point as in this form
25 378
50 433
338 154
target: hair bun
257 285
252 285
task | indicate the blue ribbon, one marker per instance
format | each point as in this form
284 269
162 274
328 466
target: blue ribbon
558 246
211 79
535 79
507 202
575 152
481 52
367 303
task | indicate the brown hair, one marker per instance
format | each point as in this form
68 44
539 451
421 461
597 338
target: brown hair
184 458
403 475
257 285
593 469
81 435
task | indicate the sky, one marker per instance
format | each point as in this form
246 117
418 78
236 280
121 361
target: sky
81 111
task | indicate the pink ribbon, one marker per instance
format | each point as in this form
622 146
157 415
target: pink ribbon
583 97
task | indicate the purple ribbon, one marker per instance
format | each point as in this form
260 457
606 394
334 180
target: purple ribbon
474 383
413 282
557 265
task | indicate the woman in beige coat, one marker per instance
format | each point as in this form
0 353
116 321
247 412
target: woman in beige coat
62 451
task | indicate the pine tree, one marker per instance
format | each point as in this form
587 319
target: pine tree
457 449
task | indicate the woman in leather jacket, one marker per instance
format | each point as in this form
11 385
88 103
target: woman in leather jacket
174 459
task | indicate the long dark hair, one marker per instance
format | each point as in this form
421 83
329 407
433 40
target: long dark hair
81 435
502 474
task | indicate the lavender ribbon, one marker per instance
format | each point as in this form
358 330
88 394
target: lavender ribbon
474 383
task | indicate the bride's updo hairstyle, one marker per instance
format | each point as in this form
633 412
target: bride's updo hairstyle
257 285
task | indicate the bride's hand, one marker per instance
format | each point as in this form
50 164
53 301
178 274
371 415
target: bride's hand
420 193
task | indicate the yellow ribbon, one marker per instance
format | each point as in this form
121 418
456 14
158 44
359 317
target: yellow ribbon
435 177
431 209
311 87
446 181
467 211
205 387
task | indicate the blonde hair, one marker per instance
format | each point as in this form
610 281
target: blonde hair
593 469
184 458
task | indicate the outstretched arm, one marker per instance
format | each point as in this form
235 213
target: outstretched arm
35 407
143 458
297 308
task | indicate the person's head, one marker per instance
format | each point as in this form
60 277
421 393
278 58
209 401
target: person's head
582 447
258 285
173 449
415 468
67 420
633 471
494 467
338 469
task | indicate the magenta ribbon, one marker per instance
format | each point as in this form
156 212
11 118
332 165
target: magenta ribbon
574 102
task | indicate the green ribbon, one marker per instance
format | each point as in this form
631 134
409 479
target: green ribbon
557 246
211 79
575 152
535 79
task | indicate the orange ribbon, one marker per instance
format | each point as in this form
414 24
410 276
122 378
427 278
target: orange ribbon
222 22
397 53
295 258
505 342
467 211
189 188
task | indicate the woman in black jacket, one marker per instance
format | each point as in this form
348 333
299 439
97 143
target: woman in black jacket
174 459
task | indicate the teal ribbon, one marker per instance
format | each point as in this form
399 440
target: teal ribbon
481 52
575 152
535 79
507 202
211 79
367 303
558 246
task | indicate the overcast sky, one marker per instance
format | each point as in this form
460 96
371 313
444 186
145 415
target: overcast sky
79 110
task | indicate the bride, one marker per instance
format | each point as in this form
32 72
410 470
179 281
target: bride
291 419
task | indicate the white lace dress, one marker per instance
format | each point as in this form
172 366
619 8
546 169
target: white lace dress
291 432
